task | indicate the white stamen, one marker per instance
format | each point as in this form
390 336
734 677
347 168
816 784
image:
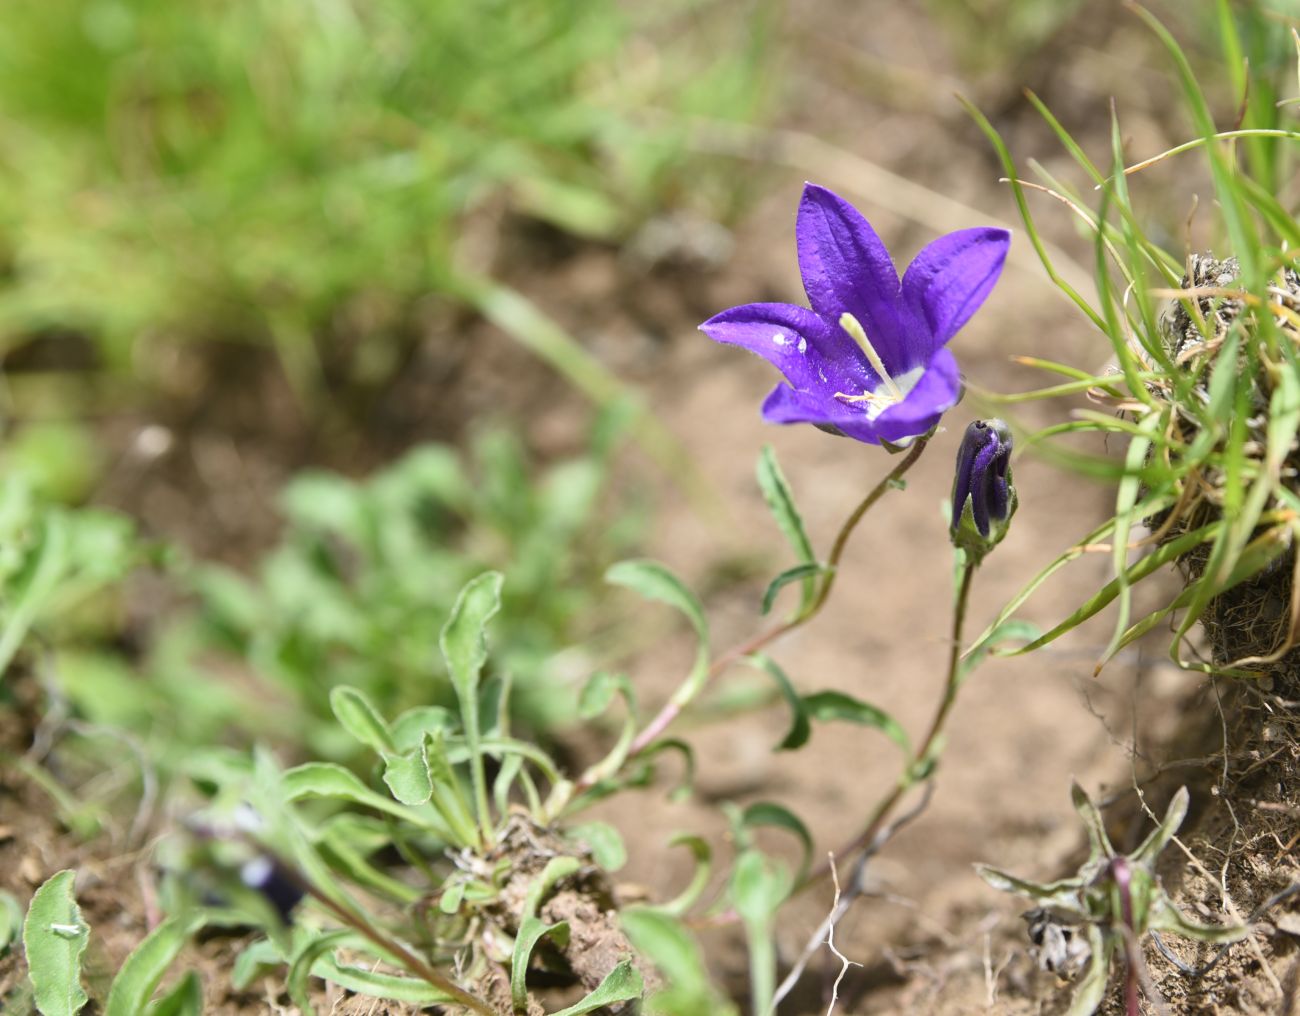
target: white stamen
779 339
878 401
803 344
859 335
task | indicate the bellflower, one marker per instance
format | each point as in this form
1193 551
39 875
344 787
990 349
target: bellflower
983 495
868 360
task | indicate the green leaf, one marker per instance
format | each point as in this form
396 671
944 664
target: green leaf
800 727
360 719
42 579
596 696
1098 842
621 984
599 692
409 728
1061 895
511 767
11 921
703 854
780 501
253 960
407 776
140 975
186 999
365 981
779 498
326 779
347 839
768 813
54 937
450 900
604 841
448 797
557 868
1008 630
464 647
1091 990
531 930
669 946
655 582
682 790
1159 838
804 572
1165 916
837 705
304 959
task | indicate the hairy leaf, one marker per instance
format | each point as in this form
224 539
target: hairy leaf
143 970
359 718
55 936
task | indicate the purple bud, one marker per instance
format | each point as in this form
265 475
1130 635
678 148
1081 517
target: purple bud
983 476
269 878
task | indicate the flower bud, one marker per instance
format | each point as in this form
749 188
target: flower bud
279 886
983 496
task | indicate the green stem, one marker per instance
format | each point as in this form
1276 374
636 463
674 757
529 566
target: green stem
921 757
655 728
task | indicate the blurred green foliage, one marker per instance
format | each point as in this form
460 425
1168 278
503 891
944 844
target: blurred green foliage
60 569
354 592
366 570
263 171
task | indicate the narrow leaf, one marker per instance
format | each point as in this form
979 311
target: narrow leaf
800 728
780 501
366 981
800 572
769 813
1164 832
300 969
703 854
360 719
186 999
464 647
655 582
531 930
326 779
836 705
134 984
622 984
1091 990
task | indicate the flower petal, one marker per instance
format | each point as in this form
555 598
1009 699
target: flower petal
950 278
845 267
786 405
795 341
936 392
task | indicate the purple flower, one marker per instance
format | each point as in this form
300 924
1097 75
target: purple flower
868 360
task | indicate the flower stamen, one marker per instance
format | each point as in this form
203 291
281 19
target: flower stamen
859 335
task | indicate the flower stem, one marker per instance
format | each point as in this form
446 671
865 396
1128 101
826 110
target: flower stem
922 756
397 949
673 708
